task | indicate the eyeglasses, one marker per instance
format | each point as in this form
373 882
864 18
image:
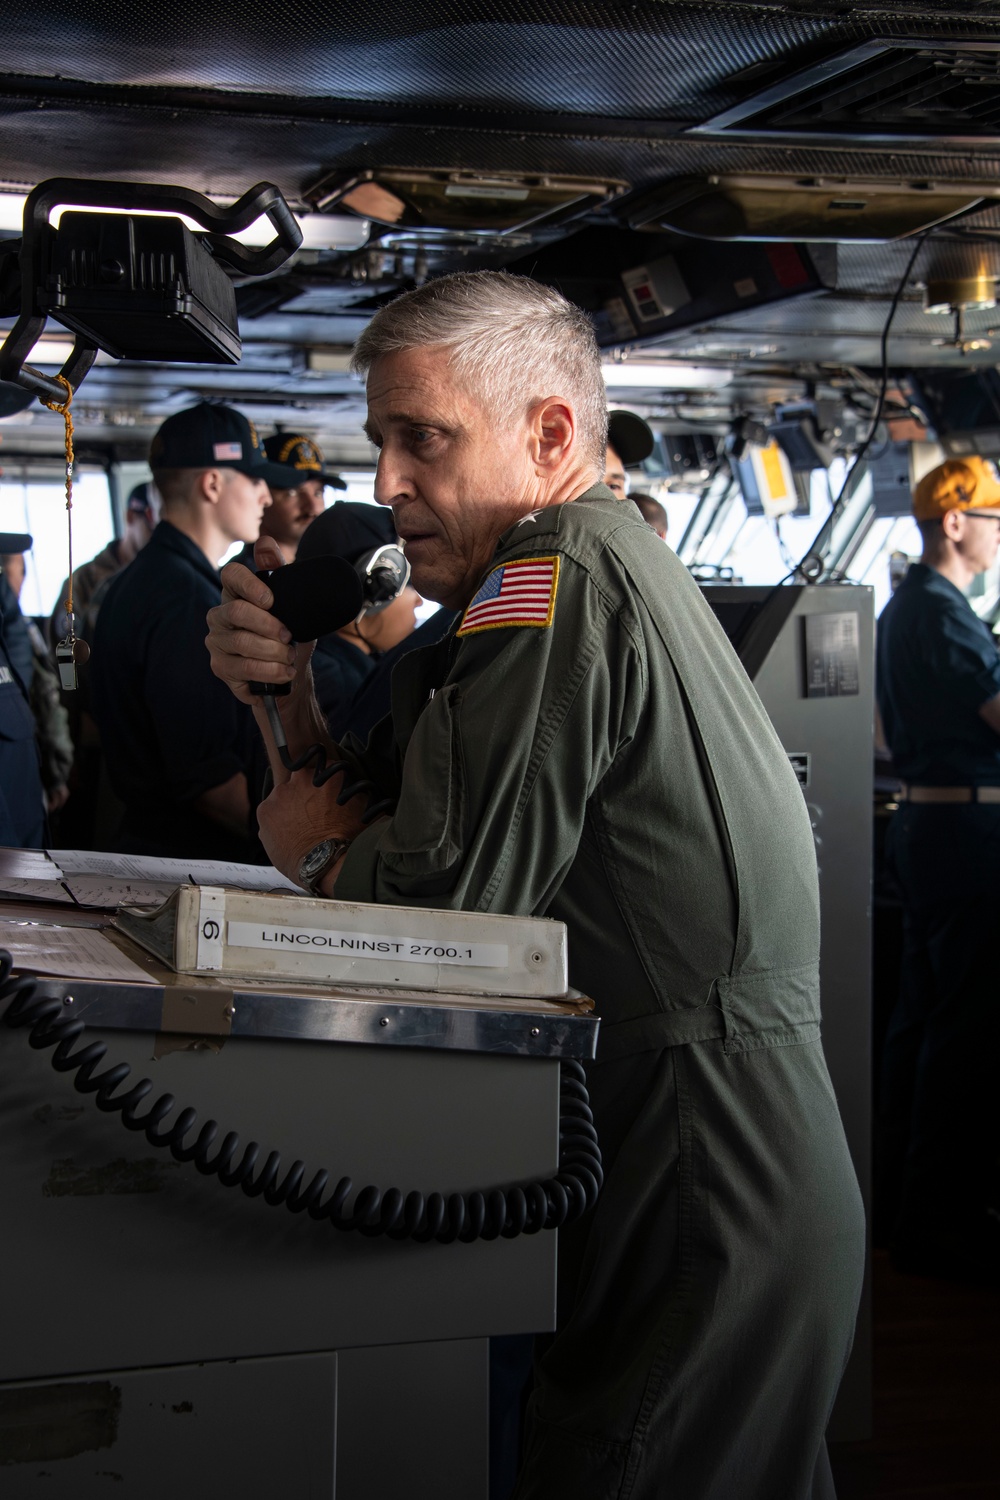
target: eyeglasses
978 515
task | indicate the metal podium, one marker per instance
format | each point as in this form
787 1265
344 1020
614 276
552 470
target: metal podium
164 1335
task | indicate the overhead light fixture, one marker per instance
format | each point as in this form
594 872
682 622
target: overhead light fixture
958 295
947 294
438 199
766 480
664 377
794 208
334 361
136 284
319 231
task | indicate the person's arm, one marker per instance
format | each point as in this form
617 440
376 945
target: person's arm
990 711
200 731
961 659
302 720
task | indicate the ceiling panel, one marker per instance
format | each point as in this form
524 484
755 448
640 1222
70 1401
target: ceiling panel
555 55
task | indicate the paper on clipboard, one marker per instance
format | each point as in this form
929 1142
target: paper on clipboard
103 892
75 952
151 870
36 890
27 864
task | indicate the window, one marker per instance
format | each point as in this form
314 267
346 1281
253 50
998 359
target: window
39 508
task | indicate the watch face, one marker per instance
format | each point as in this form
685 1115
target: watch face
315 859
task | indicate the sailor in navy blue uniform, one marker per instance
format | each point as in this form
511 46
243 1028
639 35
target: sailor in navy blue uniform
178 747
938 686
22 806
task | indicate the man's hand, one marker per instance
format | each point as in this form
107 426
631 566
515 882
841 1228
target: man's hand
245 643
298 815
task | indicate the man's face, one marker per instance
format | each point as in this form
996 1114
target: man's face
614 474
241 505
980 539
139 526
455 480
291 511
394 623
14 569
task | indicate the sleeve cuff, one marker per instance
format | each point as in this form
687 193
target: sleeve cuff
359 872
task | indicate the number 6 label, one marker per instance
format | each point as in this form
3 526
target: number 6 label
212 910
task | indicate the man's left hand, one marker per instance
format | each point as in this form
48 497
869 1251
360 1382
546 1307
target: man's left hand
298 815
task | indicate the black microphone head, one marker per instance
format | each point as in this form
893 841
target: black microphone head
315 596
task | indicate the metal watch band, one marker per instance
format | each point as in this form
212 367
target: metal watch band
338 847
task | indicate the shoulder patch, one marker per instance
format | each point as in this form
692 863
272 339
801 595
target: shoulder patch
515 593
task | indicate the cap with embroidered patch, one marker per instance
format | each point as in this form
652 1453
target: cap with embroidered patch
213 436
960 484
303 455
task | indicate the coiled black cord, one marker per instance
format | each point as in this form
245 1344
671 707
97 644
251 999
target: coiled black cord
323 773
317 753
502 1212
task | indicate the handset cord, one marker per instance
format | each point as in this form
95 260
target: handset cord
499 1213
323 772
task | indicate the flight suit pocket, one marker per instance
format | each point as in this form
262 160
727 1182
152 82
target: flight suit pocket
425 835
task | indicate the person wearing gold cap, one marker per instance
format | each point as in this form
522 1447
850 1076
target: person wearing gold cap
938 689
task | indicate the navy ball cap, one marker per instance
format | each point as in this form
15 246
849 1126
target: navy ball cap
213 436
348 529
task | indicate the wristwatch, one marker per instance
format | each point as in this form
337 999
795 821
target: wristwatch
318 862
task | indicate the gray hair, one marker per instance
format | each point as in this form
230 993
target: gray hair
515 340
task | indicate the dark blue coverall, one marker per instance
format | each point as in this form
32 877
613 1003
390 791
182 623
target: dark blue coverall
937 666
22 809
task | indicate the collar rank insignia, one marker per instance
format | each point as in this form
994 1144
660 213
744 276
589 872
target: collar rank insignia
516 593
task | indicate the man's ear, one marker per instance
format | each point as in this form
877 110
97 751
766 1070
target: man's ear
953 525
210 485
552 426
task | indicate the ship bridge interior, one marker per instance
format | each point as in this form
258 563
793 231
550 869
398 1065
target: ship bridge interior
781 216
777 177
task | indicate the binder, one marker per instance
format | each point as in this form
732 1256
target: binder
216 930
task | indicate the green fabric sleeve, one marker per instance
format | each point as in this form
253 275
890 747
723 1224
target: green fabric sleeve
503 758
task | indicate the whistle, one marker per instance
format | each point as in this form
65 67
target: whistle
70 652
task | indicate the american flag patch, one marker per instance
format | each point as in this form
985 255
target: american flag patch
516 593
223 451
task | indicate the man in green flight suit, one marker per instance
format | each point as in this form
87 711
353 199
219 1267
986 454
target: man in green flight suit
586 746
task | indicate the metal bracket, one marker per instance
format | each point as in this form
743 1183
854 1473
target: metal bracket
197 1012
